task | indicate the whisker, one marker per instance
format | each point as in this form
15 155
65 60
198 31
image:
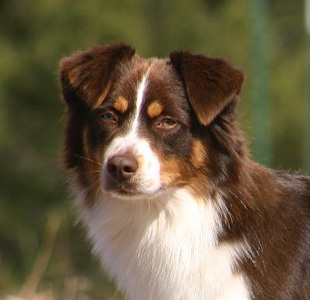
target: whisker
90 172
88 159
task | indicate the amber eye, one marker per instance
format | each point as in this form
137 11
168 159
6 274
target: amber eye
108 116
167 123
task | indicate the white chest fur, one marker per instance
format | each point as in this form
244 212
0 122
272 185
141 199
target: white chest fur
166 249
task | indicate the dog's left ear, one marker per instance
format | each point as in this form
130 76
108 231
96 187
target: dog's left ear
211 83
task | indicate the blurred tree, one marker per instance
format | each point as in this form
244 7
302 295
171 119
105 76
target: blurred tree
260 82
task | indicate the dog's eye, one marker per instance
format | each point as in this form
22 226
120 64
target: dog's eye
167 123
108 116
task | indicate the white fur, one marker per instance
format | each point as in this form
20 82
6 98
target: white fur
166 247
139 102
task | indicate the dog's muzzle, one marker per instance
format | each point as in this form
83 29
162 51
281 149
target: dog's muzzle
122 167
130 167
119 174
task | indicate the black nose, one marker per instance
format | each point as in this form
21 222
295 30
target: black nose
122 167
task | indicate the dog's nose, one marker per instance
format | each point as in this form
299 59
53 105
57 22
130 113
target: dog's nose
122 167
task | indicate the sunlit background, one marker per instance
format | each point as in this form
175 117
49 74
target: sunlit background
42 252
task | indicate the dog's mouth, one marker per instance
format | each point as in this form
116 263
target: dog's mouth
125 189
134 194
130 189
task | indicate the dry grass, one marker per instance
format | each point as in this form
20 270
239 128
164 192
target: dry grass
71 287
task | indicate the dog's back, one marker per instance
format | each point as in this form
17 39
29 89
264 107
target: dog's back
173 204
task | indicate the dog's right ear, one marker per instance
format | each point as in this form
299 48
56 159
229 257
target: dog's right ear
86 77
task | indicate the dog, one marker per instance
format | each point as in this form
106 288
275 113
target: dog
173 204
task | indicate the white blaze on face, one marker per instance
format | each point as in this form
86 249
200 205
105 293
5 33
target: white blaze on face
147 178
139 103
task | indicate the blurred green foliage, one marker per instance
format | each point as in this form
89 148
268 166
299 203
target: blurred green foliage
36 34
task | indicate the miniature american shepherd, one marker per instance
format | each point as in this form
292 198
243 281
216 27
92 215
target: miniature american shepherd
173 204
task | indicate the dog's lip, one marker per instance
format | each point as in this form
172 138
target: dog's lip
128 192
134 195
124 190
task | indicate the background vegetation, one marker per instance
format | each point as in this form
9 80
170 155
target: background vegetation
36 218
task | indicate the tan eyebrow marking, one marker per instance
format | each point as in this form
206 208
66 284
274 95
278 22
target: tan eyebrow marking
155 109
121 104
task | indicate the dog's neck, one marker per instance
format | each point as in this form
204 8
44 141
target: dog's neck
166 247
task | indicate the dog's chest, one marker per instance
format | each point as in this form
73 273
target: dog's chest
168 250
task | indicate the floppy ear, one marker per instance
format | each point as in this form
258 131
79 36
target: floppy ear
211 84
85 77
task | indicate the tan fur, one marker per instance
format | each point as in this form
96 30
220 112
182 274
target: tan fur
121 104
198 154
155 109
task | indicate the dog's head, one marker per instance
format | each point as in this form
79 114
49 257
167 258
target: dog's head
139 126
